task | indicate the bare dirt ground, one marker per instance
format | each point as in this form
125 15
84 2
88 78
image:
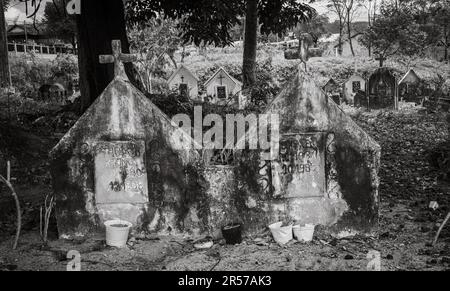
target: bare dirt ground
407 225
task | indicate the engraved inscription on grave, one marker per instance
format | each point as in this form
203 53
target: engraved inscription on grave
301 165
120 172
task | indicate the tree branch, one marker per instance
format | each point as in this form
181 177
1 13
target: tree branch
16 199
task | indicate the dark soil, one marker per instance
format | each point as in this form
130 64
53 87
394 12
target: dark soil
411 177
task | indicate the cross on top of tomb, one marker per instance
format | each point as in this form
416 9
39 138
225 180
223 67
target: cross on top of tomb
221 77
381 59
117 58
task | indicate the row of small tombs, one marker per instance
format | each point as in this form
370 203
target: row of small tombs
221 87
381 90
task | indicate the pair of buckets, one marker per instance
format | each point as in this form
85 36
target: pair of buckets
284 234
117 232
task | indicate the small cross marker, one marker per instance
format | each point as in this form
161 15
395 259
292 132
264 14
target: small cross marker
381 59
117 58
221 79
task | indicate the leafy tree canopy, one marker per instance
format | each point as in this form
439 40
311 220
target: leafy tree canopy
210 21
58 23
409 27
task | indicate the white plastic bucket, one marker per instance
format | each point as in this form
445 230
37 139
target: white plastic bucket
281 235
117 232
304 233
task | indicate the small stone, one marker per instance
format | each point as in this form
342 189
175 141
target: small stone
203 245
433 205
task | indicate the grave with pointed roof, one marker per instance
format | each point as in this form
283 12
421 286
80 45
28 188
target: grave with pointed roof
124 159
352 86
323 170
222 88
408 86
185 82
382 89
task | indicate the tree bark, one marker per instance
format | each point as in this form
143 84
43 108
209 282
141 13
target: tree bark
349 27
100 22
4 62
250 44
341 34
369 48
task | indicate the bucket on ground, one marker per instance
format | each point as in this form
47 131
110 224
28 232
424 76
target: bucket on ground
281 234
304 233
232 233
117 232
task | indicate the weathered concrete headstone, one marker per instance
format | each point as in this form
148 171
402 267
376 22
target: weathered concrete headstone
221 87
382 89
302 164
124 158
324 171
409 87
120 173
57 93
185 82
351 87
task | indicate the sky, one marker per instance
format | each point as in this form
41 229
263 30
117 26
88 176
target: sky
17 11
321 7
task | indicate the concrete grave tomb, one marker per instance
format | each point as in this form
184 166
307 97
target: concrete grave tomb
323 171
124 159
352 86
382 89
408 87
185 82
223 89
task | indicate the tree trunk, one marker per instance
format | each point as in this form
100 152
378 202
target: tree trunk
250 44
369 48
340 43
100 22
349 32
4 62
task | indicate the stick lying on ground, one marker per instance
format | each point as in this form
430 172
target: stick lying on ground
441 228
16 198
45 217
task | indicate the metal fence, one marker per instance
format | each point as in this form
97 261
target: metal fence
39 49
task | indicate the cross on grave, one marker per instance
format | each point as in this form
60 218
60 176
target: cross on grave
182 79
117 58
381 59
221 79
